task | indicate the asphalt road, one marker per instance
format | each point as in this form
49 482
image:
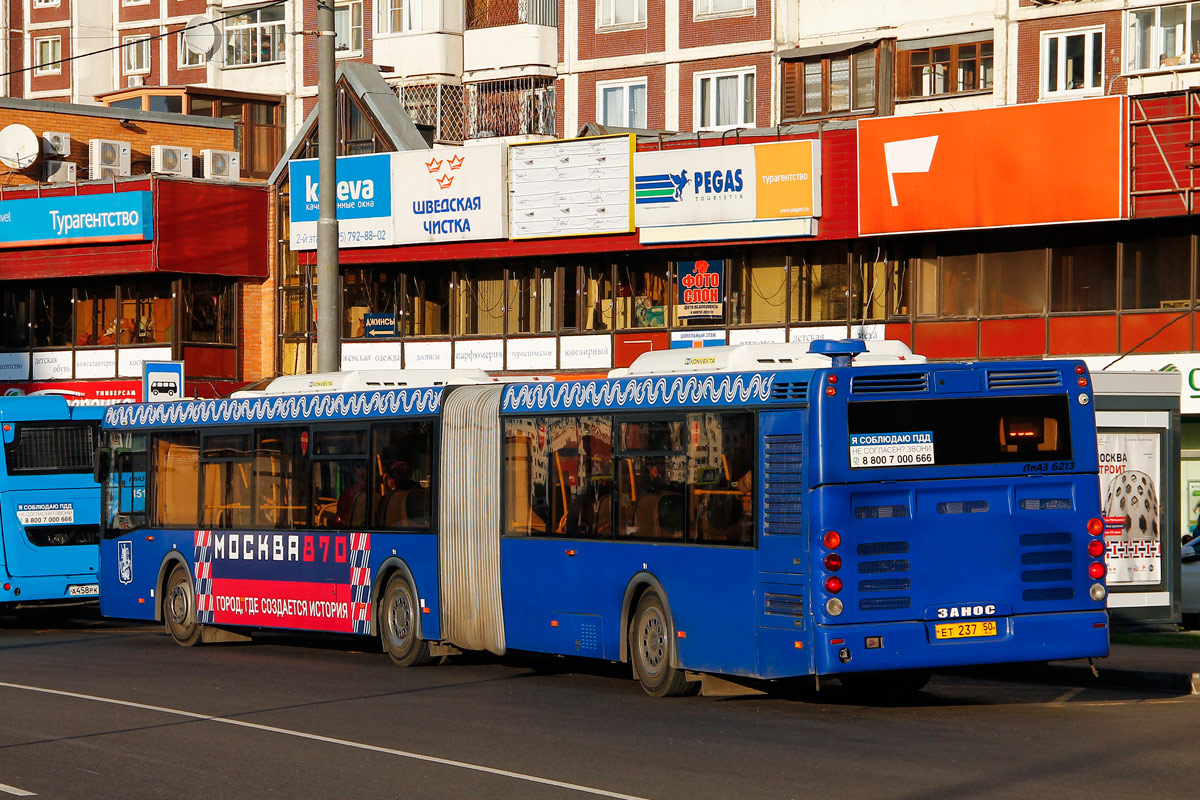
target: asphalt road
96 709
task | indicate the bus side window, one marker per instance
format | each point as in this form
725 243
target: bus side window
721 479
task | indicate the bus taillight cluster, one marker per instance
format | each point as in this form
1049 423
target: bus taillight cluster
832 562
1095 549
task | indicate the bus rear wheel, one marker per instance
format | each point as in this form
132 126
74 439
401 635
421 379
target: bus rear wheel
398 624
179 608
650 651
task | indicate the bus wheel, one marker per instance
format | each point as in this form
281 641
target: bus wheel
179 608
398 624
650 651
892 686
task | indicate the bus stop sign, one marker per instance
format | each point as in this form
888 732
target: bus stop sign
162 380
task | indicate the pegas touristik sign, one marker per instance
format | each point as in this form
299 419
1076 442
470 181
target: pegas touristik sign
77 219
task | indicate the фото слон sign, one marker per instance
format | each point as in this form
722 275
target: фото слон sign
570 188
701 288
77 219
1017 165
364 201
739 183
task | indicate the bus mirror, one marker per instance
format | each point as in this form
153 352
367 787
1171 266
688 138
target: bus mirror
100 468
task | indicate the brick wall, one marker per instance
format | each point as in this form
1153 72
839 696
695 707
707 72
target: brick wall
595 44
763 86
656 88
141 136
46 83
154 76
1029 51
257 333
176 75
139 13
724 29
58 13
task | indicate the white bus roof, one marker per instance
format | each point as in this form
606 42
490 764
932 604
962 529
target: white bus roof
757 358
362 380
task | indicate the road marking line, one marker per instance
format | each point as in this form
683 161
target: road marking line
4 787
1066 696
447 762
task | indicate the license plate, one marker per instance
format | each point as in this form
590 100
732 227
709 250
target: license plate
965 630
83 590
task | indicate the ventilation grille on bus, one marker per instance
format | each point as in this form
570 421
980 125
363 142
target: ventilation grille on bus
791 605
881 512
881 584
896 382
895 565
963 507
884 603
882 548
1046 504
885 585
789 390
1048 561
1024 379
783 484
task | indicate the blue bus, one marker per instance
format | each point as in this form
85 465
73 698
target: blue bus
754 511
49 503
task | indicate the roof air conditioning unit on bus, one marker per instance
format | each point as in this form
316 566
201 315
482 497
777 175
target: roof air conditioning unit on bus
59 172
170 160
56 143
107 159
222 165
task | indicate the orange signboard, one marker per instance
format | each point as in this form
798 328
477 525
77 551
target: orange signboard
1018 165
789 179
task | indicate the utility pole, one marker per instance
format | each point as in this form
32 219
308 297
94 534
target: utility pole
328 311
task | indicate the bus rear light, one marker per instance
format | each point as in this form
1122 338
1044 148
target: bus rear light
1097 570
837 641
1095 526
7 586
833 378
832 539
833 562
834 606
1083 383
829 390
681 634
1097 592
833 584
1096 548
1079 369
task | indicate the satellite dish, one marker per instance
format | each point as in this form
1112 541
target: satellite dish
200 35
19 146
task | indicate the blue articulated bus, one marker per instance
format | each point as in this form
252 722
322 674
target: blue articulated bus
49 503
754 511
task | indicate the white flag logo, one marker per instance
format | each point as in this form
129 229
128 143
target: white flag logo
907 156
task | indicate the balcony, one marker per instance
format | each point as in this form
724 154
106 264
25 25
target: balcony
511 107
507 38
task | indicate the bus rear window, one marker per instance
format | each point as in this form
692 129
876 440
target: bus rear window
42 448
947 432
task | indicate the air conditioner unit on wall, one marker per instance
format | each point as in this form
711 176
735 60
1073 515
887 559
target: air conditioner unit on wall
107 158
224 165
56 143
136 80
59 172
170 160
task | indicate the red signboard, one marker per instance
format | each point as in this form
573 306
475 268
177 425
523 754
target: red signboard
1018 165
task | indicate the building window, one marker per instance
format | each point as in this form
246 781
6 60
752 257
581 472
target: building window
622 104
208 310
820 278
724 99
348 28
833 83
189 57
642 295
135 55
758 287
399 16
1083 277
945 69
620 13
1014 282
1164 37
255 37
49 56
713 8
1156 273
1073 62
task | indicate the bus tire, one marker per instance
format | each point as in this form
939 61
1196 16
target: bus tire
650 651
398 624
179 608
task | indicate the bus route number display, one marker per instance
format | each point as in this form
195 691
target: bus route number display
891 449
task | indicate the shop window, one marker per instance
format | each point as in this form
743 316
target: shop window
596 294
427 301
949 285
369 303
876 286
14 324
1073 62
1014 282
530 298
1083 278
295 317
480 301
1163 37
53 316
147 312
255 37
944 69
845 82
208 310
1156 273
758 287
820 283
96 317
641 300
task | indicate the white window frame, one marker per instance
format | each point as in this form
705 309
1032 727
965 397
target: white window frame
128 45
184 54
703 9
1088 51
347 7
257 30
606 22
625 85
135 2
47 69
1191 40
410 16
698 80
46 3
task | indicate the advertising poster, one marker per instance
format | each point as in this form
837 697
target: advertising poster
364 201
1129 490
452 195
572 188
701 289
